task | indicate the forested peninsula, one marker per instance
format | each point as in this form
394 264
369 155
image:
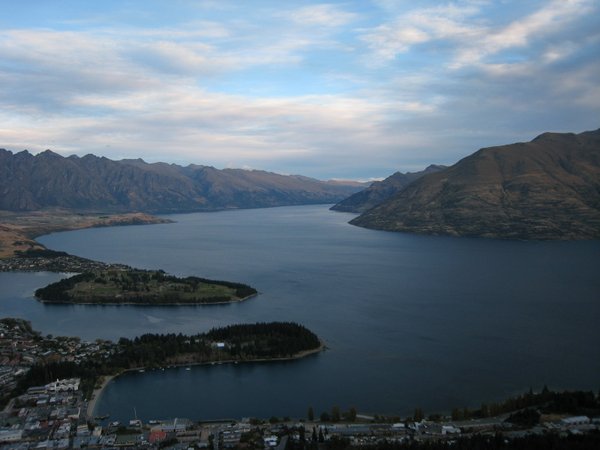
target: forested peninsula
234 343
242 342
141 287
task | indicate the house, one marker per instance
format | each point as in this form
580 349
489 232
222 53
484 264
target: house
157 436
575 420
10 435
270 441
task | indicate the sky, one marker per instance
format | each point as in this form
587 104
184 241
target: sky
344 90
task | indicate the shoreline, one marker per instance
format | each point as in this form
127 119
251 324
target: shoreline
97 393
237 300
19 230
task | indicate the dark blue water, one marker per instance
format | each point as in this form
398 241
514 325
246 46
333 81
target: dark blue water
410 321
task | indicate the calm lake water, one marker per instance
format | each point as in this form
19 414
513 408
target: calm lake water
410 321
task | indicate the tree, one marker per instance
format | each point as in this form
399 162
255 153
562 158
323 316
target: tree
466 413
352 414
335 414
485 410
311 414
457 414
418 416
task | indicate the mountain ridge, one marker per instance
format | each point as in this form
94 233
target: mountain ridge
548 188
379 191
48 180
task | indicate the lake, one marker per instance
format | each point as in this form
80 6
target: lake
409 321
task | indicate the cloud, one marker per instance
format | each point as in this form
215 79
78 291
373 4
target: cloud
388 41
420 26
308 90
44 70
548 20
323 15
466 33
205 127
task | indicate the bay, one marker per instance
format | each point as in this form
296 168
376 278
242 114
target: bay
410 321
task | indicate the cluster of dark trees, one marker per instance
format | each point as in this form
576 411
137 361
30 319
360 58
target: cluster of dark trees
57 292
576 402
136 281
241 342
336 415
526 409
152 350
24 325
266 340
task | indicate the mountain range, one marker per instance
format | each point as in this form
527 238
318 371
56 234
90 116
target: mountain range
380 191
49 180
548 188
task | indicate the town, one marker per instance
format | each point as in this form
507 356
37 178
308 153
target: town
44 260
22 348
57 415
53 417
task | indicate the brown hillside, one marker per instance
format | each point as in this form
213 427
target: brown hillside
382 190
548 188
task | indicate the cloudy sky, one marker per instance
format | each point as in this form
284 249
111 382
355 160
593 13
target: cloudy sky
350 89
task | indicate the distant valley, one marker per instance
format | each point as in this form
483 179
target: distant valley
548 188
380 191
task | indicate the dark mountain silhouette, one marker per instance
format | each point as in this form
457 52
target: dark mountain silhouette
48 180
548 188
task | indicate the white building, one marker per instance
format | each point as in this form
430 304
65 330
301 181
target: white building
575 420
68 384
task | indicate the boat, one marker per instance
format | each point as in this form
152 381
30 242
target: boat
104 417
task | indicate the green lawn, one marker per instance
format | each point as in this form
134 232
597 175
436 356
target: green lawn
154 287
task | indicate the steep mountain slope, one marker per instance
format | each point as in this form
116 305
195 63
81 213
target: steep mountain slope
30 182
548 188
380 191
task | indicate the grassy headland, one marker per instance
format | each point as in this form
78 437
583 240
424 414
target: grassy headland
147 287
18 230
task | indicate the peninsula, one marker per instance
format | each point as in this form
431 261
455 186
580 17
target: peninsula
18 230
97 282
42 359
141 287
